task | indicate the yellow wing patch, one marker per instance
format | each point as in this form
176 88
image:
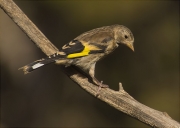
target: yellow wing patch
85 52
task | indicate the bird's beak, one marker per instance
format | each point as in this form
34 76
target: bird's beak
130 45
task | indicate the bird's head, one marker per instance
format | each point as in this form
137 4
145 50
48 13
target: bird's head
124 36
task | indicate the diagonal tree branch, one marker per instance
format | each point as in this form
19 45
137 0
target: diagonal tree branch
120 100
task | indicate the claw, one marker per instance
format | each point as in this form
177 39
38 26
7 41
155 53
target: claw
101 85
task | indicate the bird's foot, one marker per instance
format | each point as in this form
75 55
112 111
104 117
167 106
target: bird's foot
101 85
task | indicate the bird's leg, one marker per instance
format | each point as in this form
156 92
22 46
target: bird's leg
100 84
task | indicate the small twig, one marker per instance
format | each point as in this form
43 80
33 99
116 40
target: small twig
120 100
121 89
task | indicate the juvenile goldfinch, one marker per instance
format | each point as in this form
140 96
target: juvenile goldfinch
88 48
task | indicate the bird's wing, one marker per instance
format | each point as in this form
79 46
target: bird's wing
88 43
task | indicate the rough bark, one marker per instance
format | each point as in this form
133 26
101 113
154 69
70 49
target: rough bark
120 100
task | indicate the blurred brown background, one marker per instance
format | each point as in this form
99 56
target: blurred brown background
48 98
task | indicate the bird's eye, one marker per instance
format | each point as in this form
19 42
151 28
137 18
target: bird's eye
125 36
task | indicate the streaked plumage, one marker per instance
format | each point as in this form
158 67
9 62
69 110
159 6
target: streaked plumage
88 48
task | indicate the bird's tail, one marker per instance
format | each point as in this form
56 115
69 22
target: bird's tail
39 63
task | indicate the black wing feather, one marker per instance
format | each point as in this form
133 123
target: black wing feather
76 48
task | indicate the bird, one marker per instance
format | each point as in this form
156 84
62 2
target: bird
87 49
